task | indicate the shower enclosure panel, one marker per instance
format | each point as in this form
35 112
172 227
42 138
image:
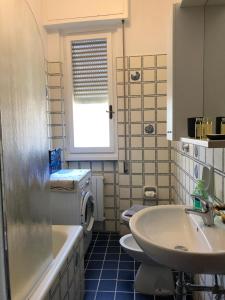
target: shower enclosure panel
24 154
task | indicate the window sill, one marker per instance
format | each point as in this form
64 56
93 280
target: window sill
90 156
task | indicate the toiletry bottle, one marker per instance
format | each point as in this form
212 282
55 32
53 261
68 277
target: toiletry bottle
203 128
222 128
199 191
209 127
198 128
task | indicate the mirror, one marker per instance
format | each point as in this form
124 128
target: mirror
214 62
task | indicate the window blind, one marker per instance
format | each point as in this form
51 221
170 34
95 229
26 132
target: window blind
89 69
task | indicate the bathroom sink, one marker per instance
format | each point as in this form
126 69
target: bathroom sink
179 240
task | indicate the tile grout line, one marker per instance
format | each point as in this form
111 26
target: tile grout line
90 254
118 268
99 280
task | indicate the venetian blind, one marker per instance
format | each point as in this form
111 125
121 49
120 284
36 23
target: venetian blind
89 70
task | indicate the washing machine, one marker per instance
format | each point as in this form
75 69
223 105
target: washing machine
72 202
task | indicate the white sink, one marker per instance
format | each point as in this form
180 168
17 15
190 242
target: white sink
180 241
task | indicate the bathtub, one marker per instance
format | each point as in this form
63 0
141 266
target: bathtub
64 278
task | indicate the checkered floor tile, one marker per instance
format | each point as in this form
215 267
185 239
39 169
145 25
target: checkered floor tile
110 272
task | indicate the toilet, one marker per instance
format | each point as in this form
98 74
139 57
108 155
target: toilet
151 278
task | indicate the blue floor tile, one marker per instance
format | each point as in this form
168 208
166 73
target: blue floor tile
110 271
125 257
92 274
110 265
125 286
105 296
109 274
89 296
111 256
94 264
98 249
125 275
102 237
107 285
126 265
113 249
97 256
113 243
124 296
101 243
91 285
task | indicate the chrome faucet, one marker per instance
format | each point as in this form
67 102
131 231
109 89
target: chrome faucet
207 211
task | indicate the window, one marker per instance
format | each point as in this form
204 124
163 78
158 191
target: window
88 83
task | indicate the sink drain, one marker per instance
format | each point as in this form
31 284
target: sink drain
180 247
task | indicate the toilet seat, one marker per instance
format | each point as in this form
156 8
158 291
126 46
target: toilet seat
127 214
128 242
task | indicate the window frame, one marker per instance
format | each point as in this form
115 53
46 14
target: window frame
87 153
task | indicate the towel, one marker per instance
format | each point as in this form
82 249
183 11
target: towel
135 208
62 185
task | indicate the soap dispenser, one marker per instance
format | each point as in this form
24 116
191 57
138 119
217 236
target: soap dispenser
200 190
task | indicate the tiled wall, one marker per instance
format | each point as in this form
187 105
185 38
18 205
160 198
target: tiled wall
69 283
187 169
149 155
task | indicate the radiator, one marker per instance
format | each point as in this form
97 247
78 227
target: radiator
98 193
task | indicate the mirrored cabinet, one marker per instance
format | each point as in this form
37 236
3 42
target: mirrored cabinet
196 66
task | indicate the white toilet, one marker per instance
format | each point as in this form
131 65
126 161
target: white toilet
151 278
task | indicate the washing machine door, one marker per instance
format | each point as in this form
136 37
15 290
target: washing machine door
87 211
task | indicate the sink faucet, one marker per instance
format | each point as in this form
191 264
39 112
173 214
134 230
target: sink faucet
207 211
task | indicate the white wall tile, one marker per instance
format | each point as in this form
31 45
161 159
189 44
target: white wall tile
135 116
149 180
135 62
149 102
149 167
161 60
149 75
135 103
161 102
149 141
218 159
163 155
135 89
136 168
161 74
137 180
161 88
149 154
218 186
149 89
149 116
148 61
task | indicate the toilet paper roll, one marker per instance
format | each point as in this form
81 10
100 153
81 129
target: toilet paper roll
150 194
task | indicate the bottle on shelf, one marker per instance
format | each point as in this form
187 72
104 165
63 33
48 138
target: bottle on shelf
222 126
198 128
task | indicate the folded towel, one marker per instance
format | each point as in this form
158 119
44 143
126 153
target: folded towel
135 208
62 185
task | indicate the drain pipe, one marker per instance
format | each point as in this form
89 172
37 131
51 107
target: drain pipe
125 163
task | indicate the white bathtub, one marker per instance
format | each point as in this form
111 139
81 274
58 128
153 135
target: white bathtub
66 241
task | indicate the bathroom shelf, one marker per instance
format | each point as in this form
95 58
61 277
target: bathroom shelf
204 143
192 3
